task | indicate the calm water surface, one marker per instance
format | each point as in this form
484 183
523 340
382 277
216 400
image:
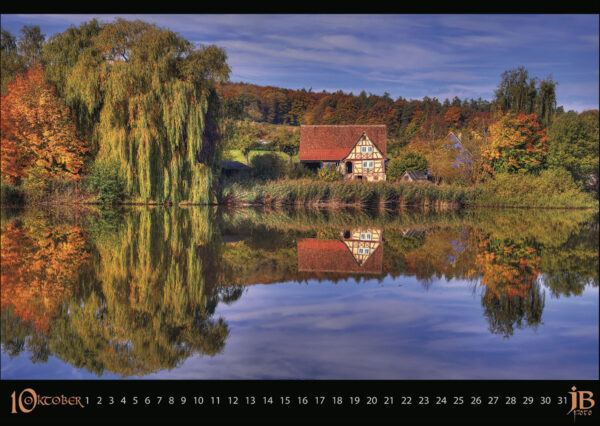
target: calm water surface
205 293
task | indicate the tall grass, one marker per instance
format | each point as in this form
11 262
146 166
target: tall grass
309 191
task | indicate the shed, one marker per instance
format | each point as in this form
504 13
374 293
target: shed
413 176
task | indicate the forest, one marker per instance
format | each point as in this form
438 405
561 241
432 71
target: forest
128 112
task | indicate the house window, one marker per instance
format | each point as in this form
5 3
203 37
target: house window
366 236
370 149
364 250
368 164
363 149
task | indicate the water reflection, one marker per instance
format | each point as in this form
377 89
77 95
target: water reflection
135 291
357 251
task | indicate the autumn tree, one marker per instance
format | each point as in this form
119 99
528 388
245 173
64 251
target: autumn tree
453 116
39 139
445 161
517 144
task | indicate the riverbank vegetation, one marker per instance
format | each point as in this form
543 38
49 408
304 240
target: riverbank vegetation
339 193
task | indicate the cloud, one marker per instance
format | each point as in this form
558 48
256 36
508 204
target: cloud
405 55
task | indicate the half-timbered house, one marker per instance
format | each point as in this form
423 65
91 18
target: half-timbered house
357 151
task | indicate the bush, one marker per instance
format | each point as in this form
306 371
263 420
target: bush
407 161
268 166
299 171
329 174
104 180
551 188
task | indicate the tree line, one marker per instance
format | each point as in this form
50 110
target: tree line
130 111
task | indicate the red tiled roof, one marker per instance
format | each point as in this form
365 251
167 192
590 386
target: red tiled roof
333 256
335 142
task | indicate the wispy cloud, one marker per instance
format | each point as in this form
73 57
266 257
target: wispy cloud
405 55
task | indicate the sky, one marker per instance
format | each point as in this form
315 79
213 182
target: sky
411 56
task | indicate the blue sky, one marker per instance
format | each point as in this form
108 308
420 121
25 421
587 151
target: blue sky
405 55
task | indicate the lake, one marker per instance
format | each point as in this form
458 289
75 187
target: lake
210 293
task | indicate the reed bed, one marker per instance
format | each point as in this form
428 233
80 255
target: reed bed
345 193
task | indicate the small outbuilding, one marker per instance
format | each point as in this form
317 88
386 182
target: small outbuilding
413 176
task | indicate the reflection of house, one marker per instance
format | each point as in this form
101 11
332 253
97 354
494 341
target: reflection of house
412 232
359 152
359 251
362 242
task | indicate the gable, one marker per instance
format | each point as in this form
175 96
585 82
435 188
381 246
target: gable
335 142
356 153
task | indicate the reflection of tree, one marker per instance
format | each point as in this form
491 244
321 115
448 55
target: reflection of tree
509 272
505 312
40 260
570 267
148 303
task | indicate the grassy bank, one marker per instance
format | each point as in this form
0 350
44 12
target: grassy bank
549 189
344 193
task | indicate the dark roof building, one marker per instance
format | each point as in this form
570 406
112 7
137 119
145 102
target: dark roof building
413 176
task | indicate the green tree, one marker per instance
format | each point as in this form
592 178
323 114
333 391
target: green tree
30 44
153 94
574 144
407 161
11 62
515 91
287 141
546 102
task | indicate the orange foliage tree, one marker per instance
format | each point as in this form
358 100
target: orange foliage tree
518 143
39 138
453 116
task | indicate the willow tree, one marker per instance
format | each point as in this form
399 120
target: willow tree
151 99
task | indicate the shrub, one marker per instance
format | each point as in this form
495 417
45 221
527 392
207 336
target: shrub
268 166
299 171
329 174
407 161
551 188
104 180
